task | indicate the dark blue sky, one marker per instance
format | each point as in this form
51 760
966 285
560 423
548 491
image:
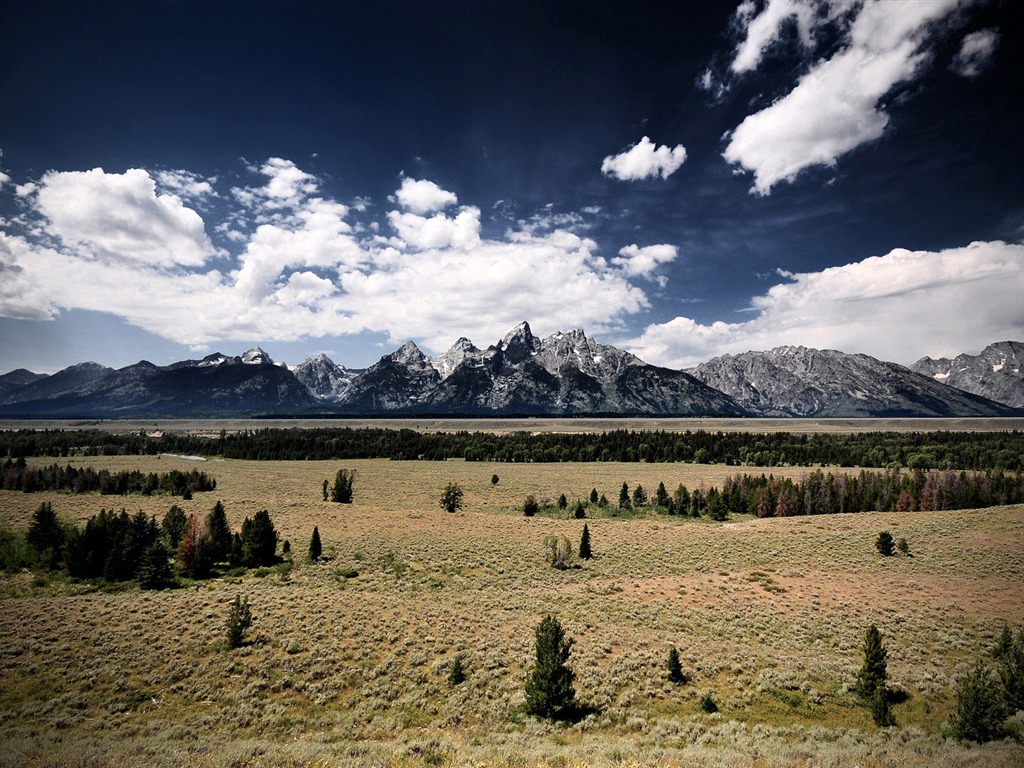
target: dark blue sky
184 177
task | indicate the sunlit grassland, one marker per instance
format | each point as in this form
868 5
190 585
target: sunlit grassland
768 616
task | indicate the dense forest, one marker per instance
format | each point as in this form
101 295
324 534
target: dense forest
916 450
16 475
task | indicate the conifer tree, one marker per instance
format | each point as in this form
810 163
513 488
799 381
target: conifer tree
580 511
174 526
661 496
624 497
872 679
593 496
562 502
639 496
259 540
315 548
884 543
1011 672
325 490
341 492
675 669
46 536
456 672
220 533
194 551
494 479
155 568
530 506
238 621
585 553
549 686
980 709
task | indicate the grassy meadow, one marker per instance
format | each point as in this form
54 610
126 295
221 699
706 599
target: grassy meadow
348 658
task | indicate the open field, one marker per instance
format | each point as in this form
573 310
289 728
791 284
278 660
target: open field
768 616
501 426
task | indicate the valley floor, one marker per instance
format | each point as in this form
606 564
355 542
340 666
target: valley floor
348 658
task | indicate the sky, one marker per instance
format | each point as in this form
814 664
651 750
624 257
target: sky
681 180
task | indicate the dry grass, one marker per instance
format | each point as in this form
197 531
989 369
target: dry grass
768 616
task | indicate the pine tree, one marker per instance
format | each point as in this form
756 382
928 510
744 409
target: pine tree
593 496
342 490
259 540
173 526
315 548
238 621
639 496
661 496
872 679
980 709
675 669
549 686
325 489
1011 673
530 506
580 511
155 568
585 553
451 499
562 502
46 536
220 532
456 672
624 497
884 543
494 479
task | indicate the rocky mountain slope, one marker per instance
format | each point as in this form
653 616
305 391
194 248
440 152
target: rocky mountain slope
798 381
997 373
562 374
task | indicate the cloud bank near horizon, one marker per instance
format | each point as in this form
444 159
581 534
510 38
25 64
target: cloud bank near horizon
286 262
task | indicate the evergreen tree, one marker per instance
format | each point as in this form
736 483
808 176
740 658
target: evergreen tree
494 479
220 532
675 669
562 502
46 536
603 501
980 709
639 496
1011 673
315 549
872 679
456 672
155 568
238 621
342 490
585 553
624 497
173 526
708 705
661 496
259 540
549 688
530 506
235 556
1004 643
451 499
325 489
195 552
580 511
903 547
593 496
884 543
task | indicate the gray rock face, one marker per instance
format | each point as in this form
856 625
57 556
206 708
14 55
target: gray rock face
997 373
563 373
798 381
325 379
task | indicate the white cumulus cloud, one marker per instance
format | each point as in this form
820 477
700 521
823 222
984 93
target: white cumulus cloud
421 196
975 52
644 160
835 106
898 307
641 262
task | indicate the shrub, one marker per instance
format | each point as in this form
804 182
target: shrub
549 685
884 543
903 547
451 499
980 709
708 705
494 479
238 621
530 506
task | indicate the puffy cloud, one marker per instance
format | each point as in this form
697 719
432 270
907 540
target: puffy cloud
303 269
975 52
421 196
121 217
763 29
834 107
185 184
641 262
644 160
898 307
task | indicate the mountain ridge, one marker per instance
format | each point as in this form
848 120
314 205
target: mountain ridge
564 374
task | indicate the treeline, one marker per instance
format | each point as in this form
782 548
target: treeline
16 475
118 547
916 450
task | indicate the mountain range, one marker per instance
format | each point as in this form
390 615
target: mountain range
562 374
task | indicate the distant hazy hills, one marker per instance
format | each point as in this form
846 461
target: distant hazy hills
563 374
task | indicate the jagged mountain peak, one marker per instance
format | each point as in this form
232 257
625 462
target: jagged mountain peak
996 373
257 356
461 352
